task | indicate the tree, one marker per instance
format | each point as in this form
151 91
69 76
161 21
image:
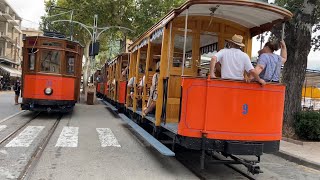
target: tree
298 37
138 15
110 13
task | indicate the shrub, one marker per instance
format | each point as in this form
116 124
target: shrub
307 125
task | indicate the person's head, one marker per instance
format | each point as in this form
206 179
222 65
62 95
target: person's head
269 47
236 42
158 66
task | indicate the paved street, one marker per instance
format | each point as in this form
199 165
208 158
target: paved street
91 143
7 106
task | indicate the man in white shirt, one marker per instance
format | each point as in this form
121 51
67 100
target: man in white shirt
234 62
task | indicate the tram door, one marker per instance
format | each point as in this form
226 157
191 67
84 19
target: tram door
177 68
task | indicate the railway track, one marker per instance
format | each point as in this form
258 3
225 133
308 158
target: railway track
191 161
35 156
13 133
39 150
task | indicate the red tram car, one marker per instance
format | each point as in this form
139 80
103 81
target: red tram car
51 74
214 116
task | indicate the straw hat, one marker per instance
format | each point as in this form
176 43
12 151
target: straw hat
236 39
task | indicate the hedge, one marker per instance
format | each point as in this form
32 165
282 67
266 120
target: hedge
307 125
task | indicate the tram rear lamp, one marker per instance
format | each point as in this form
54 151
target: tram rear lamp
48 91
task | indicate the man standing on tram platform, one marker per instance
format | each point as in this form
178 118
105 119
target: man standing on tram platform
234 62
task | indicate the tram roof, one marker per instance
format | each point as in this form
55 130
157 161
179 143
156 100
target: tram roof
116 58
257 16
55 38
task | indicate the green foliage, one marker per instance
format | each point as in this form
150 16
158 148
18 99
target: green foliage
296 7
307 125
148 12
138 15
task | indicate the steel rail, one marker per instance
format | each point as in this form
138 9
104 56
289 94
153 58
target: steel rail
17 130
38 152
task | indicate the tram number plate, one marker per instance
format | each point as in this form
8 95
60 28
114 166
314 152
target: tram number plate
245 109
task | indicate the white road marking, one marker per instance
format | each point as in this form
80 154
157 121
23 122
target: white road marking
26 137
2 127
68 137
107 138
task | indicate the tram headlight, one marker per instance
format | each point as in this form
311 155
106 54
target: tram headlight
48 91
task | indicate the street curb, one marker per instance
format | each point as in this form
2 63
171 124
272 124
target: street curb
292 141
7 118
298 160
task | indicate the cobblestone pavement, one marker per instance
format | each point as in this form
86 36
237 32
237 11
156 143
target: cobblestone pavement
7 106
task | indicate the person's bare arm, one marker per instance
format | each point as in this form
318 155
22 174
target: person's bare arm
254 73
212 66
283 53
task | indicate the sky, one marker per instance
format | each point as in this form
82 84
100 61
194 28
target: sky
31 13
29 10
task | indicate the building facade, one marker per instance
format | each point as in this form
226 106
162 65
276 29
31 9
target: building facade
30 32
10 42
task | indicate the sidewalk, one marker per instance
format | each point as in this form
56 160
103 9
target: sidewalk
303 153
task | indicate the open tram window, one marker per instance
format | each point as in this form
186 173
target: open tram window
50 61
178 51
70 62
208 48
32 56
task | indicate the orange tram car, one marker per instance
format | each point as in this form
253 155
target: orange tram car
51 74
223 116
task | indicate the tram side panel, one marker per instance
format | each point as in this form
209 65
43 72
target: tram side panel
36 92
231 111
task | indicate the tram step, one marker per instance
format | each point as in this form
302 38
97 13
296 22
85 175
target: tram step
110 106
150 139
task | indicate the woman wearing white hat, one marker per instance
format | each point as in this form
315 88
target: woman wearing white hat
234 62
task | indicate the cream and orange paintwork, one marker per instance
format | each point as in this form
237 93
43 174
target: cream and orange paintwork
231 110
63 87
122 92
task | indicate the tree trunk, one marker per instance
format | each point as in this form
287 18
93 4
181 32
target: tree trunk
86 66
298 40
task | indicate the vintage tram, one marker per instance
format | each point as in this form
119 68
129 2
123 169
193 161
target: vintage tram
230 117
51 74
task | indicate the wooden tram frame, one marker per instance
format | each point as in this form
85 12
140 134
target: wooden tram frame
64 95
173 81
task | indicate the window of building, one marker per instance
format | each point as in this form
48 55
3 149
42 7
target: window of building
50 61
24 36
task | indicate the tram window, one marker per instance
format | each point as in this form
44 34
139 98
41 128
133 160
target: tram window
71 46
50 61
32 56
178 51
70 61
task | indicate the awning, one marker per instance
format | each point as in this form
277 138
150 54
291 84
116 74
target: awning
12 71
4 59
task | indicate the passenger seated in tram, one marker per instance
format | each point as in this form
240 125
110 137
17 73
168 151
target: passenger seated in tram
234 62
130 85
153 92
269 64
